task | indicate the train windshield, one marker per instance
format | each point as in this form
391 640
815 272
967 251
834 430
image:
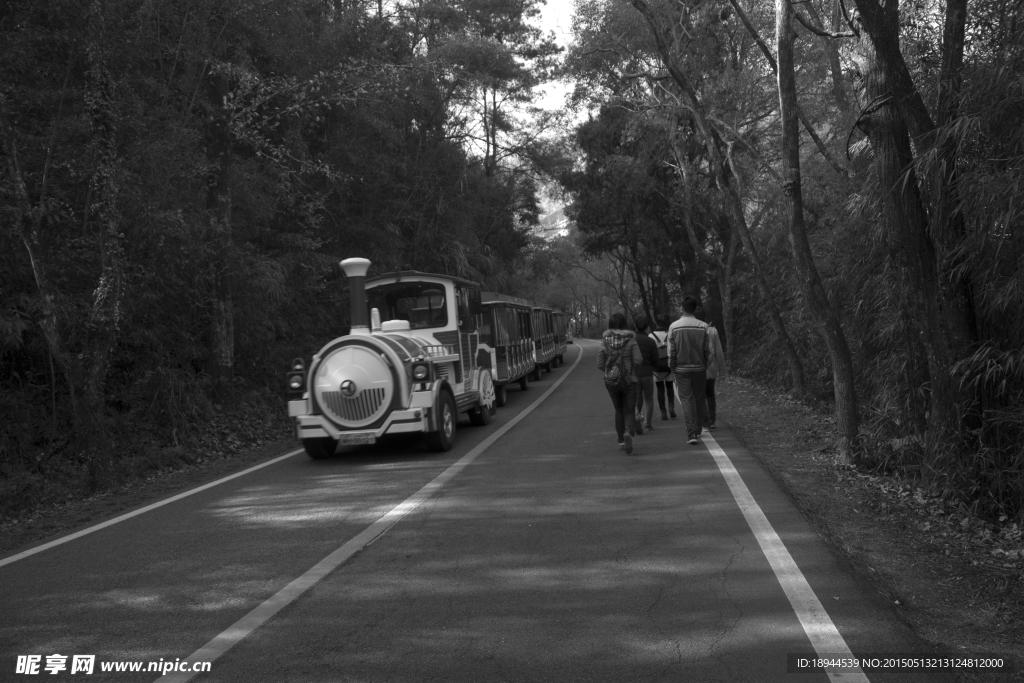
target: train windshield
423 304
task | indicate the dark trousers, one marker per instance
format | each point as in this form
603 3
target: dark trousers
624 402
645 392
665 389
691 387
709 398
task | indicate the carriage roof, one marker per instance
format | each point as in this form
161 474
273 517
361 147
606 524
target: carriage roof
496 298
413 275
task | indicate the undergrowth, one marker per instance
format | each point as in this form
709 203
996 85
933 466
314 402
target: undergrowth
175 428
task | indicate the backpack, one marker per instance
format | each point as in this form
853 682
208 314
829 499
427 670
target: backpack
615 376
662 363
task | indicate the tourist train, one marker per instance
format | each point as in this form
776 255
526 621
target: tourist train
422 349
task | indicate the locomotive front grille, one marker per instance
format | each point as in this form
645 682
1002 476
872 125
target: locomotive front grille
360 407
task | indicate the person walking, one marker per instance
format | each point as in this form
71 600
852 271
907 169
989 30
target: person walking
716 369
688 353
645 374
662 373
618 358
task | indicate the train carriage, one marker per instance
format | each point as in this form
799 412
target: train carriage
506 341
413 371
561 324
543 338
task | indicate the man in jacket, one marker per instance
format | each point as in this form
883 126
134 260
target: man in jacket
716 369
688 353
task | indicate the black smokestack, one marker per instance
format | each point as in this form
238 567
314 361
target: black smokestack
355 269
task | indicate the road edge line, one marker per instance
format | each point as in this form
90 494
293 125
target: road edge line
262 613
817 625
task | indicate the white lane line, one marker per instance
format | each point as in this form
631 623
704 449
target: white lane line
135 513
264 612
818 626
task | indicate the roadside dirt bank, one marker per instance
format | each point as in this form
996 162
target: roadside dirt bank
958 581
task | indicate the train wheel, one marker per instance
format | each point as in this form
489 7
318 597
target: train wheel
547 367
320 447
500 395
523 383
535 373
444 438
481 415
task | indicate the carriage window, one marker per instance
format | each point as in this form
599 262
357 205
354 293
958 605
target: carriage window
423 304
483 323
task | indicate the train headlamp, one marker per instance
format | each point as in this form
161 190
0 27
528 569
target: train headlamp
420 372
296 376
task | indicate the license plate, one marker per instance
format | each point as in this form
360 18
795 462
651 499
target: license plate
357 439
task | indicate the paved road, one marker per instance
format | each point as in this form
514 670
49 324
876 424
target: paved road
547 555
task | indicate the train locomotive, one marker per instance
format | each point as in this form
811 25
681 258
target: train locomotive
409 364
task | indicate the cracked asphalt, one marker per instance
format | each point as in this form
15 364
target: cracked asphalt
553 557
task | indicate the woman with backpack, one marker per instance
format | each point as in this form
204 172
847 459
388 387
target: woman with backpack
662 373
618 358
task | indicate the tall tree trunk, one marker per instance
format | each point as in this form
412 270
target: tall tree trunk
218 204
905 218
879 25
814 292
947 218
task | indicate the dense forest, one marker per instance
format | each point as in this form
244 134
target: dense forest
839 182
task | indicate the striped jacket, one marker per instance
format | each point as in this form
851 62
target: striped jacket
688 347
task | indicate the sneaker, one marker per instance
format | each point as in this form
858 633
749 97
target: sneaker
622 445
629 444
711 425
639 427
672 412
664 415
648 426
693 441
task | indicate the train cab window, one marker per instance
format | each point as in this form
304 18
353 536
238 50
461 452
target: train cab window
467 321
423 304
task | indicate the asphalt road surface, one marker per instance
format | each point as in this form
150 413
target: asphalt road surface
538 551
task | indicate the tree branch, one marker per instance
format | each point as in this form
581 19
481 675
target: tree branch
820 31
775 69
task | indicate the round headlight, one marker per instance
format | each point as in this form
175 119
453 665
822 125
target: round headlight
420 372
